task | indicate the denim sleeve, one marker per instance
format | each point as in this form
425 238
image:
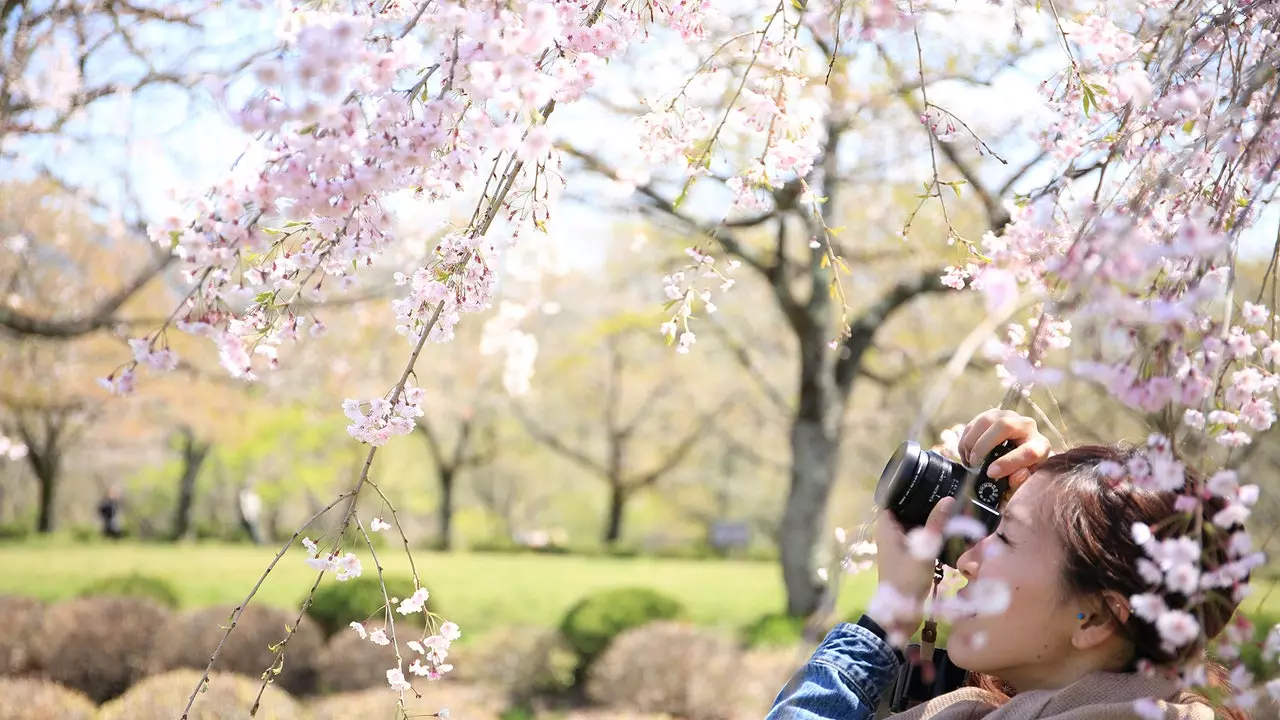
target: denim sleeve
844 679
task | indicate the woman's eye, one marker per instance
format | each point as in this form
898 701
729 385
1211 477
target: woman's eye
1003 538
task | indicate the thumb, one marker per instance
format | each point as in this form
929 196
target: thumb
940 514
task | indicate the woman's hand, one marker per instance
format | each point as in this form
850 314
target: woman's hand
989 429
905 563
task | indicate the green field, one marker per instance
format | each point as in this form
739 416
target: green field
478 591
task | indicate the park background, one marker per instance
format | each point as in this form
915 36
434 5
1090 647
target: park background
632 492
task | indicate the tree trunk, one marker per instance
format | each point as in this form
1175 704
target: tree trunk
617 505
815 447
45 523
447 476
193 457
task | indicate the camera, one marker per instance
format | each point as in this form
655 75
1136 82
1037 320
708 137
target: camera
915 480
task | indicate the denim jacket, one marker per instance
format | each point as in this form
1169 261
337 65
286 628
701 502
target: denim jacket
845 678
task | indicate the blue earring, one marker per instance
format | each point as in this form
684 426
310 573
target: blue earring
1079 616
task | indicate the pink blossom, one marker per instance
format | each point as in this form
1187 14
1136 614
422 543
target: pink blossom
1147 606
414 603
395 678
923 543
1177 627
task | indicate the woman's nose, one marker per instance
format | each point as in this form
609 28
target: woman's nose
971 561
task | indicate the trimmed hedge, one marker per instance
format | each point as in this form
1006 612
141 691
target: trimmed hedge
226 697
773 630
19 627
134 585
598 618
98 645
41 699
190 638
337 604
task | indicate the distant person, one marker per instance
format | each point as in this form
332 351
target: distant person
109 510
251 513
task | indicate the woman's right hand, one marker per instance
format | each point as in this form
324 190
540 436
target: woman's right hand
989 429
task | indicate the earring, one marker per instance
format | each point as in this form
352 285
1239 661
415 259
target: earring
1079 616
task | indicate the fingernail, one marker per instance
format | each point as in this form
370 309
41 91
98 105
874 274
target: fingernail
994 468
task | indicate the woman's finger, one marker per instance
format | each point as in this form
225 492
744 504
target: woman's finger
971 433
1025 456
938 517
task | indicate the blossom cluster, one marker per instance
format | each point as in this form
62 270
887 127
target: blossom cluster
11 449
360 107
432 651
344 567
384 419
1141 267
682 291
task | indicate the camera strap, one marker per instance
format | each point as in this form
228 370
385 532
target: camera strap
929 635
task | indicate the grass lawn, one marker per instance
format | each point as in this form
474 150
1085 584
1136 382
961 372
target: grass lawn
478 591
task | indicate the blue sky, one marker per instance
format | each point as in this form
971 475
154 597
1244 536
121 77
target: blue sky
181 143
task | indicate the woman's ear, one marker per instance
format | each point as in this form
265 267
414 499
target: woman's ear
1101 620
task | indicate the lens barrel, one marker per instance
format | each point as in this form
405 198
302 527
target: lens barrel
915 480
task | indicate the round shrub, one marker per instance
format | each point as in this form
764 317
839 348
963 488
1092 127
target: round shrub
226 697
519 662
98 645
349 663
597 619
774 630
668 667
19 628
40 699
190 638
134 585
464 703
337 604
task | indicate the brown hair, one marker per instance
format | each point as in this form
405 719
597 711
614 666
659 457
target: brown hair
1095 516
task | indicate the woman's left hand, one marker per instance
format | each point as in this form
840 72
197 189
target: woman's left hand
905 563
989 429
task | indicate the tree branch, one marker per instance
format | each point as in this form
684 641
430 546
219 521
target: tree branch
101 316
556 444
679 452
863 330
743 356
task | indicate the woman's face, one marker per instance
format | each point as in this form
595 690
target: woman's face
1028 642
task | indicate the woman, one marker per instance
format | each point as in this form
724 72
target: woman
1068 645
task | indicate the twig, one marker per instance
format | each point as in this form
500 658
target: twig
204 678
412 568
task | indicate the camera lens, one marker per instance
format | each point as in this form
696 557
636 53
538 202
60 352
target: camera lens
914 480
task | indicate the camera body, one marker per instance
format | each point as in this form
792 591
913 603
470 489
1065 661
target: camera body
915 480
911 484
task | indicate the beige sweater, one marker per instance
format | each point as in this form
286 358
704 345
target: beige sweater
1097 696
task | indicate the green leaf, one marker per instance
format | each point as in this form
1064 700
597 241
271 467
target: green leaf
263 298
294 223
1087 98
684 193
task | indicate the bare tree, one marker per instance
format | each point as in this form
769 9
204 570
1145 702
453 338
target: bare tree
799 274
47 429
620 438
60 63
474 447
194 451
